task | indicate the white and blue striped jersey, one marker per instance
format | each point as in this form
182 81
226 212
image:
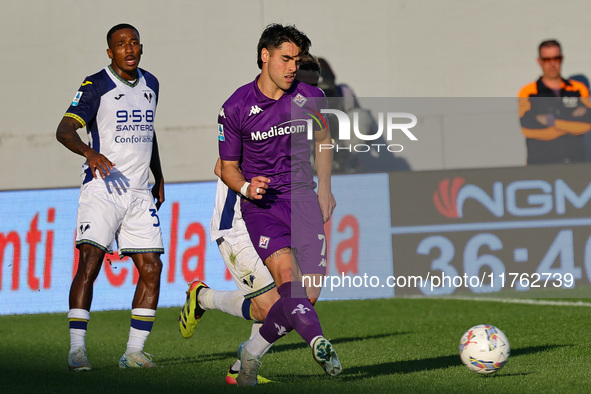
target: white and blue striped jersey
119 119
227 219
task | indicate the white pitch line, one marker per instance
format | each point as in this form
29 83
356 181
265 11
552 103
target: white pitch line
518 301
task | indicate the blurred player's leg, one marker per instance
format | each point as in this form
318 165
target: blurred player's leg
235 368
326 357
77 360
292 311
201 298
142 321
191 311
80 299
230 302
136 360
143 313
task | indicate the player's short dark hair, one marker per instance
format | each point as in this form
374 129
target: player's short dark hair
309 62
548 44
118 27
276 34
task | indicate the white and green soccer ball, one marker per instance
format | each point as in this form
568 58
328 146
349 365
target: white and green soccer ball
484 349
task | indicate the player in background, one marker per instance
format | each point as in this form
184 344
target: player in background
256 290
267 161
117 106
309 70
554 112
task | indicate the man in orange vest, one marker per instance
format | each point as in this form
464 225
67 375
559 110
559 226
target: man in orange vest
554 112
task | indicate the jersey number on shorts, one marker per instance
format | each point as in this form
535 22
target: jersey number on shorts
155 214
322 237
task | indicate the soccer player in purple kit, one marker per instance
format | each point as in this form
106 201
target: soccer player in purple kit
265 156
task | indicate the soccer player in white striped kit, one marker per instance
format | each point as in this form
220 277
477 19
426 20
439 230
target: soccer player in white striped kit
256 292
117 106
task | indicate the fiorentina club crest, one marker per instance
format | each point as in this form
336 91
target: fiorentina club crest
264 242
299 100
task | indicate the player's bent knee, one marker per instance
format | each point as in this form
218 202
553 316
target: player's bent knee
261 305
89 264
149 267
258 314
154 271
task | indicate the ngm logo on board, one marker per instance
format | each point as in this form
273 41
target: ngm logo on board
362 140
521 198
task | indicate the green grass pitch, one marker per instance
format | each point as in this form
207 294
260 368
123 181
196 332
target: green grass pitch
385 345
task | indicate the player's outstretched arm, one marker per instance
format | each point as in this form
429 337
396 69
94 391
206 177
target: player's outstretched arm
324 170
156 168
67 134
233 178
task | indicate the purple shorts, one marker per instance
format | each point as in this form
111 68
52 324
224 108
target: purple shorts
288 224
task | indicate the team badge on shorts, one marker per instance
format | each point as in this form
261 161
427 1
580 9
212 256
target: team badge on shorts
300 100
264 242
84 226
248 280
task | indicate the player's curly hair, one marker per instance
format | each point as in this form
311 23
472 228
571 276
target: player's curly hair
118 27
276 34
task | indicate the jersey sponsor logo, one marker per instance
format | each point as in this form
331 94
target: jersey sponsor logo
134 139
221 136
135 116
254 110
135 127
222 114
76 99
299 100
539 197
264 242
280 130
119 97
86 83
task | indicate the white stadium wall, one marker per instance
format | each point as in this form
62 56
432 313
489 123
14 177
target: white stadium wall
202 50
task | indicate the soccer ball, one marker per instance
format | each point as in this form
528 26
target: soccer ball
484 349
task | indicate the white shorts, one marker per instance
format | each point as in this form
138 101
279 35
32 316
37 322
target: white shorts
129 218
246 267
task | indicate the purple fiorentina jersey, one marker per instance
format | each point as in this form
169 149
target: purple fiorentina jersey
270 137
